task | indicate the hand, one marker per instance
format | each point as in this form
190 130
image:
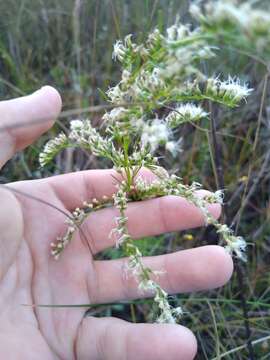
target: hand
29 275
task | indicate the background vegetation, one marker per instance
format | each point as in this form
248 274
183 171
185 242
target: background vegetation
68 44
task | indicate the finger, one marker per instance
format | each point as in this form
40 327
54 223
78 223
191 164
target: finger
11 230
197 269
114 339
90 184
147 218
22 120
159 215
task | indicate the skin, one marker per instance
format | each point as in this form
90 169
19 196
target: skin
29 275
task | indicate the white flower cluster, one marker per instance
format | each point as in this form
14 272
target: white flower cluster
154 133
174 147
121 121
180 62
215 197
82 131
154 39
166 185
121 48
220 11
75 221
230 90
181 50
116 114
146 285
252 23
83 134
135 263
168 314
171 185
78 216
150 82
52 147
177 32
235 244
185 113
177 61
184 48
115 94
238 246
120 202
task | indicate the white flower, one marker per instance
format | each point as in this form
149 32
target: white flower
76 125
195 11
116 114
247 20
125 76
119 50
115 94
52 147
224 10
172 33
230 89
174 147
238 246
154 134
216 197
150 81
154 38
235 89
259 21
173 67
147 285
177 32
185 113
178 311
219 196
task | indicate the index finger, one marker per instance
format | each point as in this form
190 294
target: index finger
75 188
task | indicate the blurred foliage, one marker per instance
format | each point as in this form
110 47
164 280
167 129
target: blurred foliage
68 44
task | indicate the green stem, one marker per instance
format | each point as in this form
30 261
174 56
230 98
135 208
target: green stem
127 166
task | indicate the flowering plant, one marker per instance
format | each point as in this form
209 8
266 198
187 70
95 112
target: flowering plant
162 86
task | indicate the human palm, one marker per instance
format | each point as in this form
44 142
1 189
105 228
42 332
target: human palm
30 275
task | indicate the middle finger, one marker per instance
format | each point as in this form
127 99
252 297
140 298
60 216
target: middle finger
206 267
147 218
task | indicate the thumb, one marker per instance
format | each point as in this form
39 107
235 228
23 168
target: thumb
24 119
